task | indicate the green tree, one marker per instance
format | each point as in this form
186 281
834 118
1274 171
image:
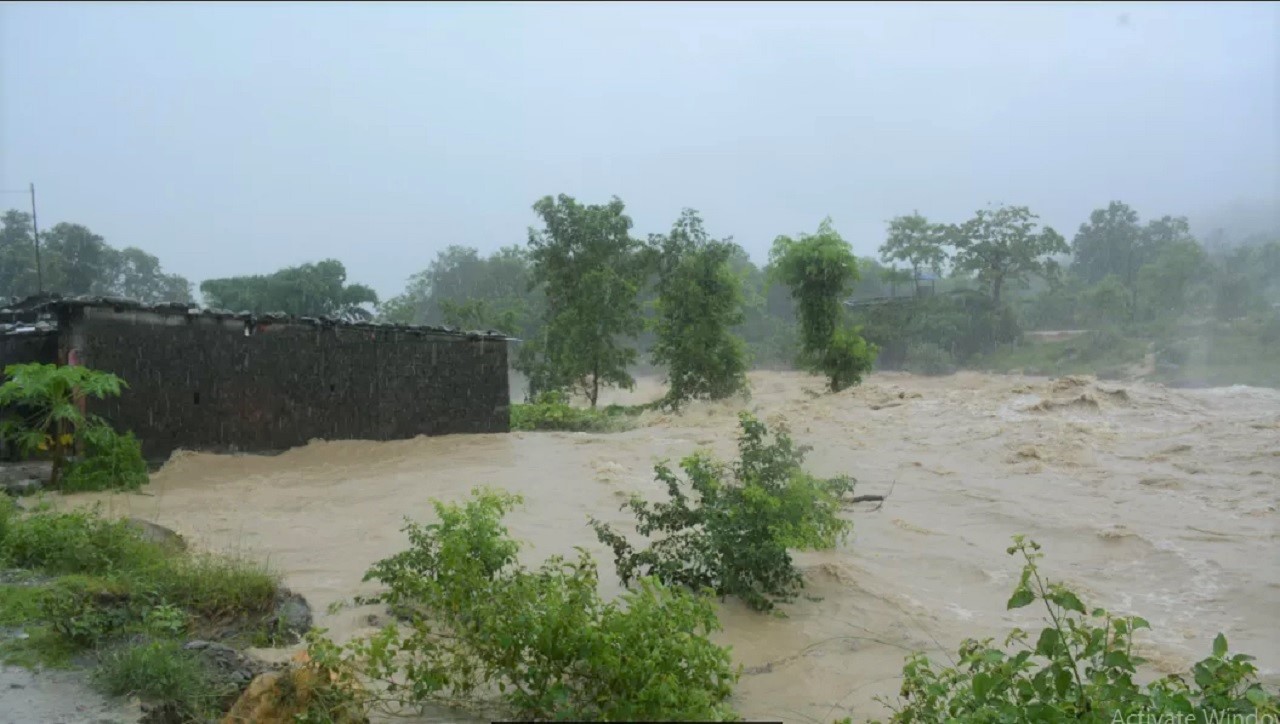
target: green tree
820 269
922 245
699 302
1002 245
1168 280
79 260
462 288
1108 243
591 270
133 273
17 255
1105 303
317 290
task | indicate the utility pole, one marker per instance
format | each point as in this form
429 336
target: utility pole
35 229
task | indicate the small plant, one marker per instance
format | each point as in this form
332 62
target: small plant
1080 668
48 399
543 640
165 620
733 538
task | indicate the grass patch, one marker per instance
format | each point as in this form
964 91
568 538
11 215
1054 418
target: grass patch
1105 353
552 411
212 587
162 671
75 542
74 582
18 604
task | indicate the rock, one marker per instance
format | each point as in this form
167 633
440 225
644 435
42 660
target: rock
228 664
292 618
19 488
157 534
28 476
281 696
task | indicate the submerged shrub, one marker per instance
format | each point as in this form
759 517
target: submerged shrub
552 411
732 536
543 639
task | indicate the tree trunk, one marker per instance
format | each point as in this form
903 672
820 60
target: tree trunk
595 383
996 283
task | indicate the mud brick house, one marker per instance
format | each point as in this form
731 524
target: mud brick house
217 381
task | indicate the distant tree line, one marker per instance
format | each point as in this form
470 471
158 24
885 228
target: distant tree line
592 303
74 261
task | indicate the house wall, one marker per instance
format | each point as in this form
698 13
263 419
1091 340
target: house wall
199 382
28 347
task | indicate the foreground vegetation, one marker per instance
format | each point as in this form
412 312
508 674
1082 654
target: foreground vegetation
475 628
85 589
1081 667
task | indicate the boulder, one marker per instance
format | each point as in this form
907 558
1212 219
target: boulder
292 618
24 478
282 696
157 534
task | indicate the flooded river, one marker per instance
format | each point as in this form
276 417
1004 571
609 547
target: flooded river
1148 500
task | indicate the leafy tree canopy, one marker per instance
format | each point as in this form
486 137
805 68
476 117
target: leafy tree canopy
307 290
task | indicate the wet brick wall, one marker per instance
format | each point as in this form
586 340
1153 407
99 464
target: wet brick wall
201 383
28 347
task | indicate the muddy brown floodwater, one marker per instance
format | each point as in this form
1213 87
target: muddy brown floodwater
1148 500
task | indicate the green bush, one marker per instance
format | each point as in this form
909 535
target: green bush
551 411
1080 668
926 358
111 462
543 639
161 671
733 536
845 359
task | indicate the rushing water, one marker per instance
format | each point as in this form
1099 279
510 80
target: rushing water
1151 501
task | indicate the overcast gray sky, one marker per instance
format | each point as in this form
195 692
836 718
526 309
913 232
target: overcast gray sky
236 138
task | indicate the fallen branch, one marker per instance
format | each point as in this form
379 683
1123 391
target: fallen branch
875 498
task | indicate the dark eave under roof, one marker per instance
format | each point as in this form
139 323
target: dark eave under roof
26 313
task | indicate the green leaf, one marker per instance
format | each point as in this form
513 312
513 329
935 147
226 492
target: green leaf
1048 643
1022 596
1220 646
